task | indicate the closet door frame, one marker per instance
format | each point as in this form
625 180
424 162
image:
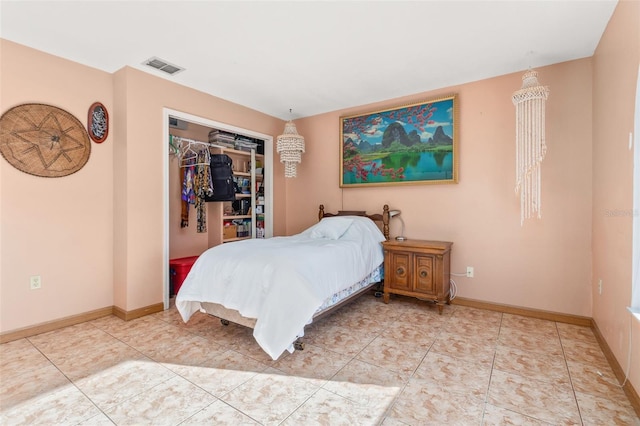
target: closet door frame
267 178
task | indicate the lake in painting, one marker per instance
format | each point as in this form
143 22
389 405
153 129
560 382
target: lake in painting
417 166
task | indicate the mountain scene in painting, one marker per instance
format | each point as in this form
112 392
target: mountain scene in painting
414 143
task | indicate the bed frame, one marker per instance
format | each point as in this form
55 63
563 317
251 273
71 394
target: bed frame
231 315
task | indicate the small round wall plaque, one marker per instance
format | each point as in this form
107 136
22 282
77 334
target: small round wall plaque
43 140
98 122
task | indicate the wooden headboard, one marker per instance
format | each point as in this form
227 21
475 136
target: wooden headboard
384 217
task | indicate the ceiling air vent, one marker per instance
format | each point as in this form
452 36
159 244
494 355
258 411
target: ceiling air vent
162 65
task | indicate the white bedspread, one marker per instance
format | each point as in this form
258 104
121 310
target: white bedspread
282 281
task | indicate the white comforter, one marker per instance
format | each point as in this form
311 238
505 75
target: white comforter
282 281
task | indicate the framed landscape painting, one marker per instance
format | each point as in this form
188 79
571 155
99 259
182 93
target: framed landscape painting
411 144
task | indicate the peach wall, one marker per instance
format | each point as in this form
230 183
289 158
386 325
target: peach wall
96 237
545 264
615 75
58 228
141 226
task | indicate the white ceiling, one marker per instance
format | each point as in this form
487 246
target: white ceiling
312 57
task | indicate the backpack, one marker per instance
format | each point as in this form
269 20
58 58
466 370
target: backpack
222 178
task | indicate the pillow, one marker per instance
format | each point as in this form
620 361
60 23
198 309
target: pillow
330 227
364 230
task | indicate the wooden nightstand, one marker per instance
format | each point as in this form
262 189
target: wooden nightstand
418 268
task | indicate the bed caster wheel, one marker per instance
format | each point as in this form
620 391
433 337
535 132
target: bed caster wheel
299 346
224 322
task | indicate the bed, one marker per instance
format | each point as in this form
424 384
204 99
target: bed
279 285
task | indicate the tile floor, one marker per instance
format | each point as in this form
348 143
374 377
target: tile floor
368 364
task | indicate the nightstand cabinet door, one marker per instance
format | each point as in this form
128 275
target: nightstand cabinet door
399 267
424 282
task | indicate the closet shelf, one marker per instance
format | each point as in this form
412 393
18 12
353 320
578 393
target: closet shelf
243 216
240 152
246 174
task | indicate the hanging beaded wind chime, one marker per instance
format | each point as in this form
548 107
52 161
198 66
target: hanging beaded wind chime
530 143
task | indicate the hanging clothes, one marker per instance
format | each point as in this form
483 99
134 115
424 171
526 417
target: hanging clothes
188 194
203 188
206 187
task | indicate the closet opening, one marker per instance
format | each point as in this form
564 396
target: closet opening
191 227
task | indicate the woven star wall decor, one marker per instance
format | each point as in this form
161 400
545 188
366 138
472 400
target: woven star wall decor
43 140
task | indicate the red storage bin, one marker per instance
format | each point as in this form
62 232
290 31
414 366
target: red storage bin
178 270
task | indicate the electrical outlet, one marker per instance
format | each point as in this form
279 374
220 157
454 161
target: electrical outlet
469 271
600 286
35 282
